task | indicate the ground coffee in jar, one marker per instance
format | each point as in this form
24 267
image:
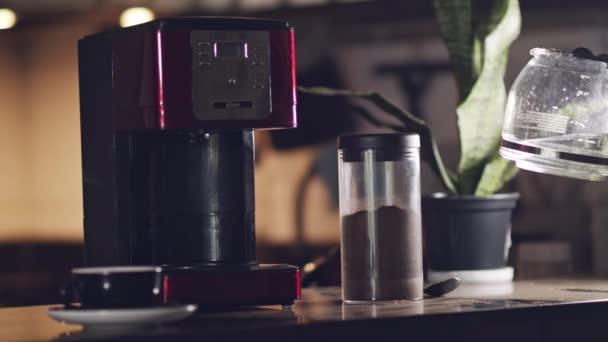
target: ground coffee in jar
381 234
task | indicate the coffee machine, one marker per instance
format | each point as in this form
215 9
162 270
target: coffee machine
168 110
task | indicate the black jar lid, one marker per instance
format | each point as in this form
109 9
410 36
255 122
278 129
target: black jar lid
389 146
379 141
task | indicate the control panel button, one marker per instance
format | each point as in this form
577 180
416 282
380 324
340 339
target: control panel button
259 79
204 47
204 55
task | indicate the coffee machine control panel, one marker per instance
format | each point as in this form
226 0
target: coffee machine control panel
231 75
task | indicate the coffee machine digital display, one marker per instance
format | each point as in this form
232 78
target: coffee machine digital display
168 110
230 50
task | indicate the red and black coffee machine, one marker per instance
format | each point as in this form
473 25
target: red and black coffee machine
168 110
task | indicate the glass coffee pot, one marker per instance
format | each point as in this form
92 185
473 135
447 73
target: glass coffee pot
556 118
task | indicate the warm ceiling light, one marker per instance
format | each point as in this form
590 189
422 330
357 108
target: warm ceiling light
136 15
8 18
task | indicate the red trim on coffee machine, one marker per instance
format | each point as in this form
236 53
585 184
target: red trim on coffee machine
161 104
149 82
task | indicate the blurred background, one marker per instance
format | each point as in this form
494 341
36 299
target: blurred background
393 47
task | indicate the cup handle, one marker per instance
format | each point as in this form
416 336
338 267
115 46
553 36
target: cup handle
67 293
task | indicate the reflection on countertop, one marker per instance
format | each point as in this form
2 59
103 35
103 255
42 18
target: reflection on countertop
320 308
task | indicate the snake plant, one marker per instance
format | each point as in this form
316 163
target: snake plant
478 34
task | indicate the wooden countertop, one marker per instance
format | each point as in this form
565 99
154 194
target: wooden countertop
526 310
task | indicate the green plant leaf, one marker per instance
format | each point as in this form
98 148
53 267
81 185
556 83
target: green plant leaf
410 124
478 34
478 52
455 18
494 176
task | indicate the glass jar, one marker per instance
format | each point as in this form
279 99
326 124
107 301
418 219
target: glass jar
380 221
556 118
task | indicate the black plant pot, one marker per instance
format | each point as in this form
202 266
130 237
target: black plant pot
467 232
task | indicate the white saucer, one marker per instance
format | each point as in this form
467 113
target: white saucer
114 317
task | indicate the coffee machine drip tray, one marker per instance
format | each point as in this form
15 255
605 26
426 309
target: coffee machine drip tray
225 286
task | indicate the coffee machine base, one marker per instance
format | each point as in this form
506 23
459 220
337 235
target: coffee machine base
229 286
